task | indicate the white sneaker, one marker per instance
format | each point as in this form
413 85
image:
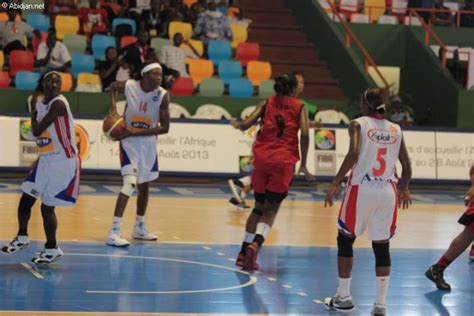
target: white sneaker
338 303
48 256
17 244
235 189
115 239
140 232
379 310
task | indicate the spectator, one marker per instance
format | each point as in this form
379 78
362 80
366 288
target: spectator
136 54
466 19
136 9
13 32
53 55
174 56
108 69
93 19
441 18
114 8
212 25
152 20
176 10
196 9
62 7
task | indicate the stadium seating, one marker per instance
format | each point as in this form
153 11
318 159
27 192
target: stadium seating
4 80
100 43
127 40
229 69
88 82
183 86
266 88
157 43
180 27
82 63
21 61
66 81
240 88
200 69
27 80
247 52
2 59
239 34
211 87
258 71
377 9
118 21
75 43
66 24
198 46
39 21
218 51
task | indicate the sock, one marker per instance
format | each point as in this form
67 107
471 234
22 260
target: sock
243 194
443 262
344 288
382 287
140 221
246 180
263 229
117 221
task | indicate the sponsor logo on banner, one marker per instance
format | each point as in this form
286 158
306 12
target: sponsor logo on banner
325 152
382 136
83 142
245 164
325 139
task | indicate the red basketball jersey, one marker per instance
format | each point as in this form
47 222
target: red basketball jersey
271 147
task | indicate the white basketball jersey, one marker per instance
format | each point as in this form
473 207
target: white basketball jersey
142 108
58 140
379 151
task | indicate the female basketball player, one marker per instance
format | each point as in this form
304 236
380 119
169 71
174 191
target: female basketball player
146 115
54 177
275 154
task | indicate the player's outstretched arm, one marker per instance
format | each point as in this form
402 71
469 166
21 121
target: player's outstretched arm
115 88
304 143
404 199
351 158
58 108
251 119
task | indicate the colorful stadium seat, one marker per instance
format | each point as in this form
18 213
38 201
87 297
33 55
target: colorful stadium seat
198 46
36 41
2 59
211 87
66 81
183 86
66 24
118 21
21 61
75 43
88 82
266 88
157 43
240 88
4 80
378 9
39 21
247 52
200 69
239 34
127 40
218 51
180 27
82 63
229 69
27 80
100 43
258 71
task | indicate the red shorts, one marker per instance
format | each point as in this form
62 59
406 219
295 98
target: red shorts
272 178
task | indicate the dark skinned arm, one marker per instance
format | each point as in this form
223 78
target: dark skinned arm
251 119
115 88
351 158
304 143
58 108
404 199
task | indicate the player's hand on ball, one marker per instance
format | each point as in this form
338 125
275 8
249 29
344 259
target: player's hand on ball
126 133
307 174
404 199
333 192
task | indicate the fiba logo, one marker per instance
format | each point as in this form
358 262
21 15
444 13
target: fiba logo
325 139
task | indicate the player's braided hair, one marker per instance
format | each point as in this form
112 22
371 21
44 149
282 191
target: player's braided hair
285 84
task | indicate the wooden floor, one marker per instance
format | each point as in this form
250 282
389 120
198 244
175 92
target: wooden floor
299 223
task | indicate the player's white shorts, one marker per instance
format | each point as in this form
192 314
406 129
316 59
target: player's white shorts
370 206
55 182
138 157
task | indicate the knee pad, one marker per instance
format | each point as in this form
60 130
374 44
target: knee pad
273 197
259 197
129 185
256 211
344 246
382 254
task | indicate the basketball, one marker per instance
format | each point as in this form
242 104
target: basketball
113 126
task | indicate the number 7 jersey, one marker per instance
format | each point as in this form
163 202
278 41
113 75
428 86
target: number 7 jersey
380 146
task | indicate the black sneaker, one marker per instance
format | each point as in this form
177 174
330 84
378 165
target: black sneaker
240 205
235 189
435 274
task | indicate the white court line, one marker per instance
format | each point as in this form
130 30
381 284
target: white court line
302 294
220 253
271 279
286 286
29 268
206 248
318 302
176 237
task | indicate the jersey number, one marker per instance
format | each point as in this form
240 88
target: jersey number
143 107
382 164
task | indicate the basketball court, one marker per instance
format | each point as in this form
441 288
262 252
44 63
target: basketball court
190 270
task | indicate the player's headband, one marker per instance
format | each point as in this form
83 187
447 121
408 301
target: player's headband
149 67
49 73
381 106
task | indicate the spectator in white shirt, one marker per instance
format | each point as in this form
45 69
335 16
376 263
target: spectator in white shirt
174 57
53 55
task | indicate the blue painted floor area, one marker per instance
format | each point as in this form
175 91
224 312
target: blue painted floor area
185 278
223 192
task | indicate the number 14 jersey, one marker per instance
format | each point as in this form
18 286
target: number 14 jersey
380 146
